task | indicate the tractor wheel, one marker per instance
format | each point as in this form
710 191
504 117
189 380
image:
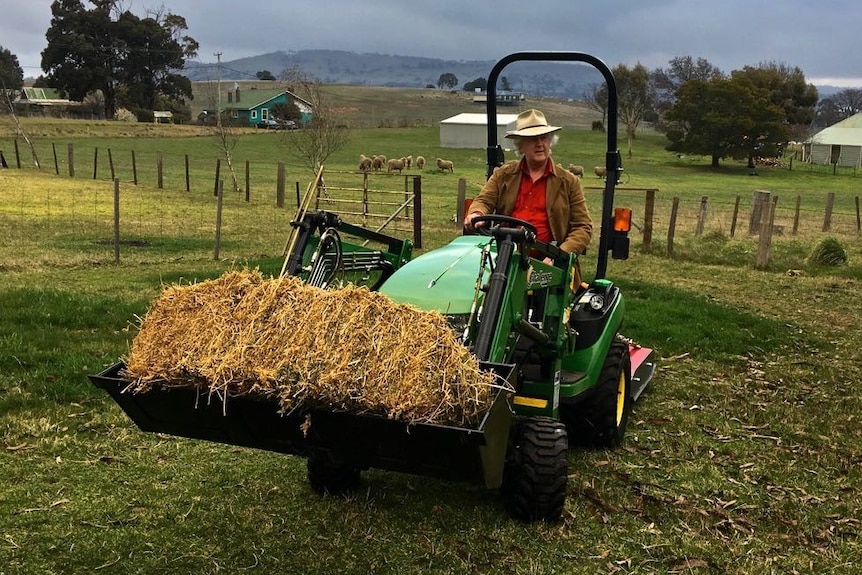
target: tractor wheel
534 484
600 420
324 476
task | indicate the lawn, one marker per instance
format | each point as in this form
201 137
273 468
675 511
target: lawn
742 457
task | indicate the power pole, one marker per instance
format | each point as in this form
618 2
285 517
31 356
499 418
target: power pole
218 89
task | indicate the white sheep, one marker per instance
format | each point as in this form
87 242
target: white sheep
377 162
601 172
396 164
420 162
408 161
364 163
577 170
445 165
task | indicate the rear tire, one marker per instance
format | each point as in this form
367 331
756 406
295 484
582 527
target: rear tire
534 484
326 477
600 420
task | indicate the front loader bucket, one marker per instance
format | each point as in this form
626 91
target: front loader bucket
359 440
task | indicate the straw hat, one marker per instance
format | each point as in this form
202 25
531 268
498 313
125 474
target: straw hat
531 123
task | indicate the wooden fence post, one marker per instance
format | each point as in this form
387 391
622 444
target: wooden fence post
71 152
188 175
247 181
116 221
218 171
701 215
111 164
417 212
760 198
827 217
734 217
134 169
160 170
219 203
672 227
95 163
796 214
765 241
56 162
17 154
649 214
858 216
3 160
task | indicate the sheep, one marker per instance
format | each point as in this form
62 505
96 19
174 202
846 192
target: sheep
577 170
364 163
396 164
407 161
601 172
377 162
445 165
420 162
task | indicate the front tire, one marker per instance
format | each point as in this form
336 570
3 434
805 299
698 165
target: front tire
535 479
601 419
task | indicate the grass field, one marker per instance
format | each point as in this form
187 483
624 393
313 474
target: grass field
742 457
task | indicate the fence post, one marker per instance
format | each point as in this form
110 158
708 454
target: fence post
765 241
761 197
56 162
159 170
111 164
188 175
134 169
71 151
17 154
858 218
462 198
649 214
247 181
672 227
796 214
827 217
735 216
279 186
116 221
218 171
417 212
219 202
701 215
95 162
3 160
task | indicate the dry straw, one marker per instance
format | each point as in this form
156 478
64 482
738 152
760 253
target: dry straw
349 349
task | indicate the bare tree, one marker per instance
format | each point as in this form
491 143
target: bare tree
19 131
597 99
635 98
322 135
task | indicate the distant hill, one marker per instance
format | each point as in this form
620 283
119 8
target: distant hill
339 67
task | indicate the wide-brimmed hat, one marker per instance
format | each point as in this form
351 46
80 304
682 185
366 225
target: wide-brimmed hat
531 123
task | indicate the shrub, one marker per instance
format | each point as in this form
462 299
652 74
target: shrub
124 115
828 252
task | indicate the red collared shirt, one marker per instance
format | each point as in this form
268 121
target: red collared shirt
530 204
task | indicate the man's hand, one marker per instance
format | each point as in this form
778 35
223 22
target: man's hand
468 220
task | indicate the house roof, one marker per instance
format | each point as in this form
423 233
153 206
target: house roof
847 132
250 99
479 119
44 96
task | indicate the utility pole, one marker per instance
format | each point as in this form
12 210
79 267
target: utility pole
218 89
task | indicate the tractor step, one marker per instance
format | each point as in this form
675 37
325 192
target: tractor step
643 368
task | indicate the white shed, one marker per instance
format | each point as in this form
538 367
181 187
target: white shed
839 144
469 130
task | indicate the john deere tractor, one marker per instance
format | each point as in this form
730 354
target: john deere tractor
570 377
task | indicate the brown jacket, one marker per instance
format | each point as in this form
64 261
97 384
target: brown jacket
568 216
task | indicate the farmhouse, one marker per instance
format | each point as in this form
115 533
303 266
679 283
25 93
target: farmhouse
254 105
471 131
839 144
45 102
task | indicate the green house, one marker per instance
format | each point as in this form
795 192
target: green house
254 105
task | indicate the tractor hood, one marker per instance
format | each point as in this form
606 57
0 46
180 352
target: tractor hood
441 280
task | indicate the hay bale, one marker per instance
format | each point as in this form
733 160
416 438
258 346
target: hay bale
349 349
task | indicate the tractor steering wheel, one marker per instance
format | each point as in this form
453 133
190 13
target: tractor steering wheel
500 219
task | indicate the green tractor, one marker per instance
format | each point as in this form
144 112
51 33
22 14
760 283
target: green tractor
556 344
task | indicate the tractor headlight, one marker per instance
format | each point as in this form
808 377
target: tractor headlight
597 302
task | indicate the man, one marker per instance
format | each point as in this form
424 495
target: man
534 189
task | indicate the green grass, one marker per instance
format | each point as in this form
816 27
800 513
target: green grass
742 457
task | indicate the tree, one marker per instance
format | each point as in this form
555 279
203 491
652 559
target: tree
724 117
634 98
666 81
323 135
597 99
480 83
786 88
106 48
839 106
504 84
265 75
11 74
447 80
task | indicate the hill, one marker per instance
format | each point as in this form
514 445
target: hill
562 80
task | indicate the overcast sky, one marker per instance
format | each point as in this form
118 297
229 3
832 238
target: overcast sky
819 36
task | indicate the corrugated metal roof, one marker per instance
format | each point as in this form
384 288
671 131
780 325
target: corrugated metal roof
479 119
847 132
